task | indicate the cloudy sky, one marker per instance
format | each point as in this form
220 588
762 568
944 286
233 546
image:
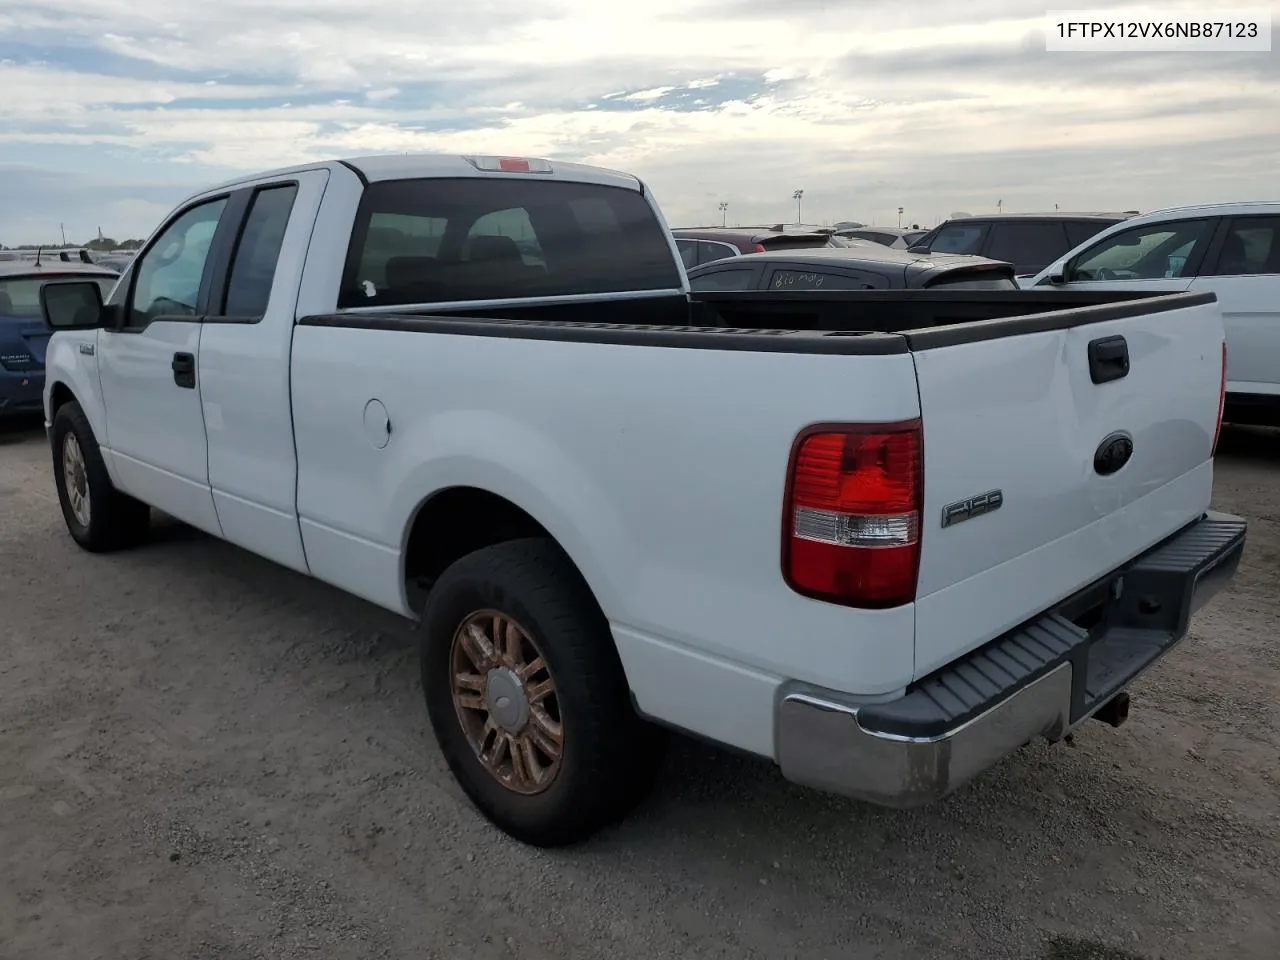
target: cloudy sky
111 110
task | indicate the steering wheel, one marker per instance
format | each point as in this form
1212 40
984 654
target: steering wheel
167 306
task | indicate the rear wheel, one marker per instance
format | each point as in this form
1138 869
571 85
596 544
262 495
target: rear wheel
527 696
99 517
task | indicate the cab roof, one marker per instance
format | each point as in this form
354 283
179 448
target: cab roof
409 166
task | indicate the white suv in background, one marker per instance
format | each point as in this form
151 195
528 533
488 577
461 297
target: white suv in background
1231 249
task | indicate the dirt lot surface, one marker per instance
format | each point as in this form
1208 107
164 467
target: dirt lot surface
205 756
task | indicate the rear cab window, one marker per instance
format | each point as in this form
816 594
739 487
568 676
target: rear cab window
481 238
257 251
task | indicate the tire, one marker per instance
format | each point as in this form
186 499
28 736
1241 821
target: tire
106 519
608 755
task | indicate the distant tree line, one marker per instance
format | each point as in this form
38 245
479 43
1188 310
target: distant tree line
97 243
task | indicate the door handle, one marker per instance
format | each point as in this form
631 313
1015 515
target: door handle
1108 359
184 370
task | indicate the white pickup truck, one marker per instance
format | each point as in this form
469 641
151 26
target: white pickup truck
881 538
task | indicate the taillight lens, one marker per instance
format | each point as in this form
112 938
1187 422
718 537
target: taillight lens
852 514
1222 402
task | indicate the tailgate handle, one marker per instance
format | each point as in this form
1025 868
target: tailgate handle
1108 359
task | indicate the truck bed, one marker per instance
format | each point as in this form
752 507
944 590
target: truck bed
706 415
849 322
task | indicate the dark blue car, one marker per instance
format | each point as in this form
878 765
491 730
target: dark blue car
23 335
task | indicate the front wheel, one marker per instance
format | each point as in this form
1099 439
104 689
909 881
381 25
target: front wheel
98 516
527 696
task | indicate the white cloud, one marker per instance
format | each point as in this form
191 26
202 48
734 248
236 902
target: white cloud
867 105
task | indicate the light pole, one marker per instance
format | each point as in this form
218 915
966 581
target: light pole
724 207
796 197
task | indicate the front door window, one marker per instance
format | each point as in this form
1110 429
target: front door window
168 275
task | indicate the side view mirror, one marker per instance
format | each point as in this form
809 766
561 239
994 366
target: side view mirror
72 305
918 248
1056 279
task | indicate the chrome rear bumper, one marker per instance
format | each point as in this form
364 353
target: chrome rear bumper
1040 680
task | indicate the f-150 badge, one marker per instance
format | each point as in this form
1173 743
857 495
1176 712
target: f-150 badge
963 510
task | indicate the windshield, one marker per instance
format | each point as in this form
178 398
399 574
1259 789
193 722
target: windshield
20 296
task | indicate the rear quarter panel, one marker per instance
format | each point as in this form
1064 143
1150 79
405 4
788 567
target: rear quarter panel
660 470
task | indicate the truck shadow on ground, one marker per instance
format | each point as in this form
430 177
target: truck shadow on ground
1249 443
21 429
1081 817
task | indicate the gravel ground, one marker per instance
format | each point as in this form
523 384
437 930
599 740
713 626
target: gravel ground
205 756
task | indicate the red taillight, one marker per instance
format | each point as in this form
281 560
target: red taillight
759 248
852 515
1222 402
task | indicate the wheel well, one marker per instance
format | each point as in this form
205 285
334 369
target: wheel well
60 395
454 523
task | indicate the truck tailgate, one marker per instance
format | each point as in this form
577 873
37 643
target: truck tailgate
1028 497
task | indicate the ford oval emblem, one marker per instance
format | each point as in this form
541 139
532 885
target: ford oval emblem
1112 454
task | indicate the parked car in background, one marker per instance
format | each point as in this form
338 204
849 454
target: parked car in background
869 266
1030 241
1231 250
114 261
895 237
699 245
23 334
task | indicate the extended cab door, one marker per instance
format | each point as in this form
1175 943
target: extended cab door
244 366
1244 272
155 437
